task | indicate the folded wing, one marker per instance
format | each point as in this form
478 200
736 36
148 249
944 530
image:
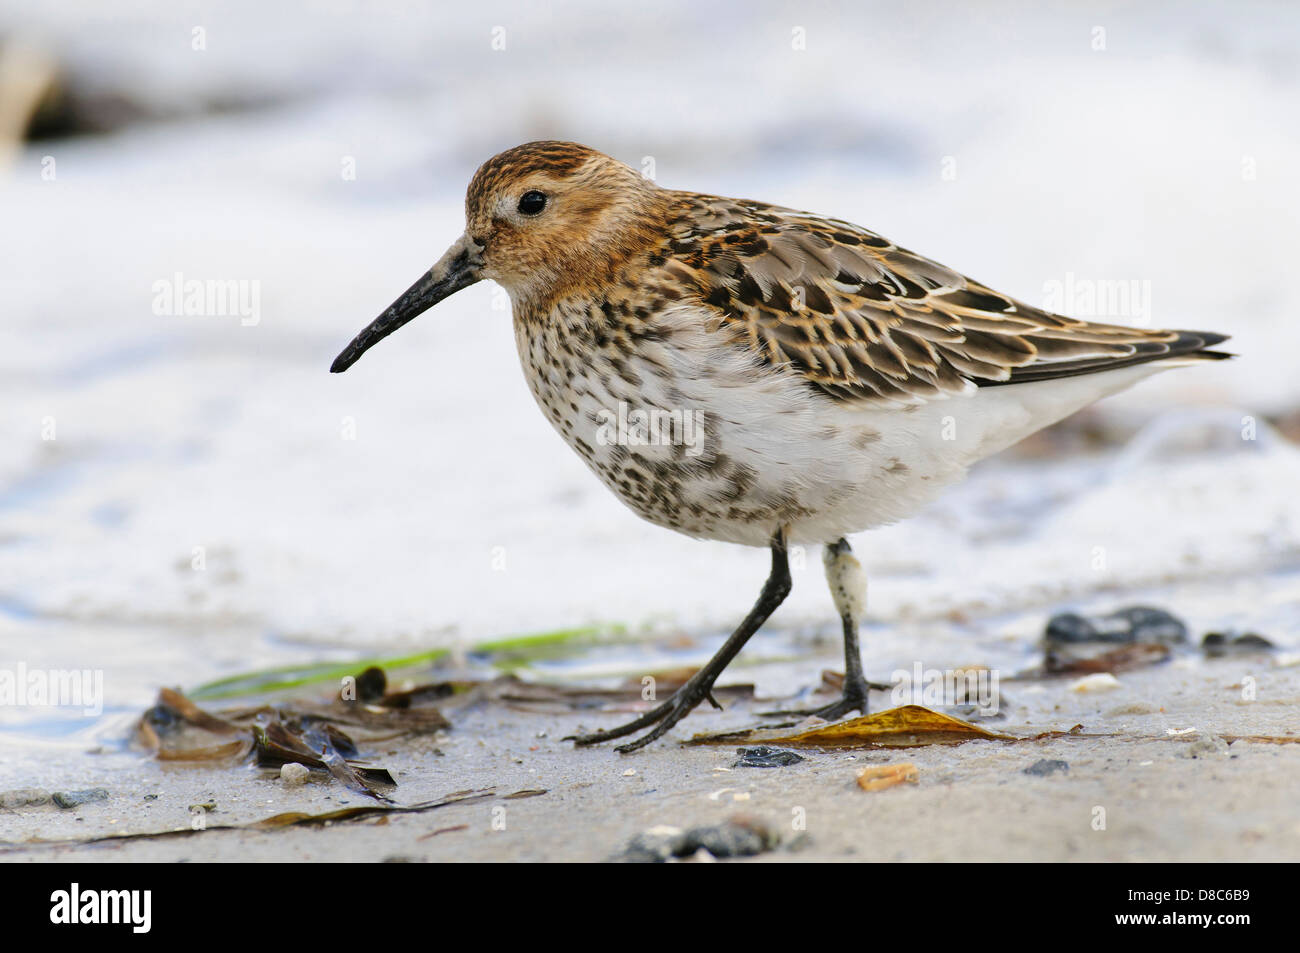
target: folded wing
865 320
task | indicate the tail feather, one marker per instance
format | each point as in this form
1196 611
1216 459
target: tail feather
1187 347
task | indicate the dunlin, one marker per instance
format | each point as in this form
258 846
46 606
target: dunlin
838 382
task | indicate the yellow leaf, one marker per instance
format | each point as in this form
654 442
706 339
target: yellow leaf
909 726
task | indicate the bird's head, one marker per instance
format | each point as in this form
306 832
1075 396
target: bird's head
541 219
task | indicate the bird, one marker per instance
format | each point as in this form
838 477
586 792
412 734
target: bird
833 382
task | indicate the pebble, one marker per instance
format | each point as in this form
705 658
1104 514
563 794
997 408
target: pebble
24 797
739 836
1219 644
67 799
1133 624
761 756
1046 766
293 774
1206 746
1287 659
1100 682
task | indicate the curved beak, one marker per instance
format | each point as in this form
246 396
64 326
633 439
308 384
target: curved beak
458 268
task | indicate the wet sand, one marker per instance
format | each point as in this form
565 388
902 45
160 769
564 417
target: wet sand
1158 785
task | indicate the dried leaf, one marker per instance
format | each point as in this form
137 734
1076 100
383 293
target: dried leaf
321 748
193 714
232 750
908 726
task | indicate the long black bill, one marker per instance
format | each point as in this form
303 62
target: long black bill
457 269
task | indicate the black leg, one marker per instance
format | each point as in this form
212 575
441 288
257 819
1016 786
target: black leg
700 685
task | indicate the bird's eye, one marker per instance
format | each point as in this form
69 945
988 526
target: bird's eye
532 202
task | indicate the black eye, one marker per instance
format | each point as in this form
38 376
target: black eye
532 202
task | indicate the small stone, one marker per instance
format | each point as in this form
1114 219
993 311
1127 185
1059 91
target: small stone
1100 682
653 846
1133 624
1046 766
740 836
68 799
1070 627
371 684
761 756
24 797
1206 746
1148 624
1219 644
292 773
736 837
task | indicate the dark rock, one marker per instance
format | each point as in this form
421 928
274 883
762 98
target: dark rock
1133 624
734 838
371 684
737 837
1070 627
1218 644
1046 766
761 756
67 799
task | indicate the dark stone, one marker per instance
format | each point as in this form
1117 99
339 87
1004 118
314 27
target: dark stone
1217 644
66 799
1070 627
1133 624
371 684
761 756
736 837
1046 766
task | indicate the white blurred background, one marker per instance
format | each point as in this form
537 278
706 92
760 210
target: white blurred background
319 153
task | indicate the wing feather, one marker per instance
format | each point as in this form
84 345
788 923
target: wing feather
865 320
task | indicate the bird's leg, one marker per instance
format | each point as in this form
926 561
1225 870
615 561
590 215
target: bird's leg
700 685
848 585
849 591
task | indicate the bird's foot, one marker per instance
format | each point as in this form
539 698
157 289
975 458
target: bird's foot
663 717
854 698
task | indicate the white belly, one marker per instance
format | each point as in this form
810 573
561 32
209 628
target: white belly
703 439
